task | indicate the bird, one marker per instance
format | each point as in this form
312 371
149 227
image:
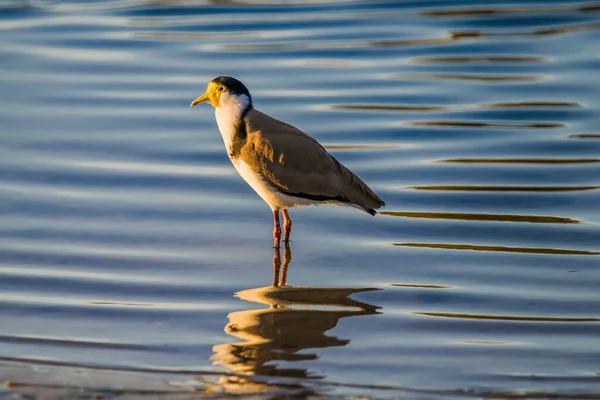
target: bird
286 167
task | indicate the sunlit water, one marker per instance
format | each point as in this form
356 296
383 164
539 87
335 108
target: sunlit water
129 243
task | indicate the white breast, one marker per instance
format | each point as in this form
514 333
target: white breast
227 114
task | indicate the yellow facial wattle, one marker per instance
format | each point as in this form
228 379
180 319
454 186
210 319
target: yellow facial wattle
212 95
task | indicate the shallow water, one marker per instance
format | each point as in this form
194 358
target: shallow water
128 242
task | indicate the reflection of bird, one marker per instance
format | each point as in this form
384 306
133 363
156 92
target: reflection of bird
285 166
295 321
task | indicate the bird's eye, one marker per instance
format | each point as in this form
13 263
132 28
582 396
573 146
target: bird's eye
221 88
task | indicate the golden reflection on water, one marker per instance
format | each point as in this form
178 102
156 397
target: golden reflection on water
469 77
507 317
481 188
544 219
522 160
294 322
503 249
336 44
420 286
438 108
471 34
390 107
478 124
449 37
531 104
364 146
511 9
476 59
586 136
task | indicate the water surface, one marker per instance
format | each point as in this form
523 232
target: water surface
132 256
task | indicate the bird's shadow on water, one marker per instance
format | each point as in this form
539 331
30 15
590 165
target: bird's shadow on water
289 329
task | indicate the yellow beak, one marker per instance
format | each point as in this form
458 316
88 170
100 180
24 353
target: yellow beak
212 95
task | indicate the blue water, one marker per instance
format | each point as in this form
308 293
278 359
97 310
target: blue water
129 244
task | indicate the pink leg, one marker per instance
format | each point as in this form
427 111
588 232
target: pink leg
287 225
276 229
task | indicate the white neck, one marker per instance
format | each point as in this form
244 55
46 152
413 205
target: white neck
228 113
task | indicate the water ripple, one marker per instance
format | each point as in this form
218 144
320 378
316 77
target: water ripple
522 160
479 124
470 77
507 249
538 219
130 248
508 188
478 59
508 317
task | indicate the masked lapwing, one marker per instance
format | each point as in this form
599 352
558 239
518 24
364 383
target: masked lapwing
285 166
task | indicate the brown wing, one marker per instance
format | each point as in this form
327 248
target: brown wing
298 165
